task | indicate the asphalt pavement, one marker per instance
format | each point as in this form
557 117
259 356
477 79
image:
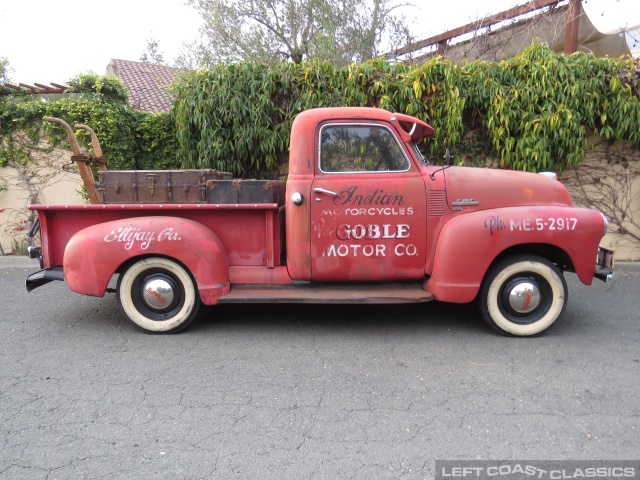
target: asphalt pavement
303 391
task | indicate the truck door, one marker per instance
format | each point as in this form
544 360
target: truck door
368 206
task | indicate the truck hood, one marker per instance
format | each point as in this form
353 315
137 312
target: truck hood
471 189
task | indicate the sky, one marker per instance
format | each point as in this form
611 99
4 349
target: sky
47 41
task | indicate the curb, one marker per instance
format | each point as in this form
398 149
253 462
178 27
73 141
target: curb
19 261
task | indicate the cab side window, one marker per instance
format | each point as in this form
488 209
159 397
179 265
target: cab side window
360 148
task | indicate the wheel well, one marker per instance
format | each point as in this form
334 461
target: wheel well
124 266
551 252
130 261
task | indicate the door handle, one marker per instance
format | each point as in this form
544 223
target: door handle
322 190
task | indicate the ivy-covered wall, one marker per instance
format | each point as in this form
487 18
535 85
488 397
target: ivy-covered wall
130 139
533 112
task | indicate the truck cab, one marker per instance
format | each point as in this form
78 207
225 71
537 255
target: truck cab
363 197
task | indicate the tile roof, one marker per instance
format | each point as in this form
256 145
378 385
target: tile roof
147 84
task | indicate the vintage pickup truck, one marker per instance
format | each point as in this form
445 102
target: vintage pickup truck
365 219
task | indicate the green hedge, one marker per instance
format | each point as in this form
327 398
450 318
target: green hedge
129 139
534 111
237 118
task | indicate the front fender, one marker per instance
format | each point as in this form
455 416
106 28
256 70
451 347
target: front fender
94 254
469 243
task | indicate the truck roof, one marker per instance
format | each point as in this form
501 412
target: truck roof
318 115
302 147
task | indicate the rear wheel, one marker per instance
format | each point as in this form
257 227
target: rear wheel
158 295
523 295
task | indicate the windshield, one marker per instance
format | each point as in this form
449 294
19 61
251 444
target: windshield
418 153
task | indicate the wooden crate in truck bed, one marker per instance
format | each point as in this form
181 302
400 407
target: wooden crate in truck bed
156 186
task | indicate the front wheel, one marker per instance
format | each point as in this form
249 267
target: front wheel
523 295
158 295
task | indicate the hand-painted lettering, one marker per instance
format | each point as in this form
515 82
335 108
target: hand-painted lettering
371 232
377 250
408 250
494 224
131 236
378 197
168 234
355 250
522 225
349 233
386 211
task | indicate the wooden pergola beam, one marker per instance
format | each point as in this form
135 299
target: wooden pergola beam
38 89
573 24
442 38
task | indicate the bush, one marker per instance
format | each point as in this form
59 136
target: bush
537 108
129 139
535 111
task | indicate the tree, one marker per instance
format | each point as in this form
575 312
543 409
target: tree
266 30
4 70
152 55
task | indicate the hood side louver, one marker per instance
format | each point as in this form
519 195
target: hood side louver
437 202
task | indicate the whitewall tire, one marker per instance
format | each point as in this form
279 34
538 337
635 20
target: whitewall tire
158 295
523 295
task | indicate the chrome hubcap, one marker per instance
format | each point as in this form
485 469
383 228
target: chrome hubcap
157 293
524 297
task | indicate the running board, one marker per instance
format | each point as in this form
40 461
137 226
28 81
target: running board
378 293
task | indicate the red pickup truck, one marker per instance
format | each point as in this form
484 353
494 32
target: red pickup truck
365 219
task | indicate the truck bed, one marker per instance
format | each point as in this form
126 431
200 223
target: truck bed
250 233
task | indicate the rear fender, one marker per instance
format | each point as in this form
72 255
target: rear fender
469 243
94 254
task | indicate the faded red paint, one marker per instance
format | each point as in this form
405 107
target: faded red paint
468 244
95 253
244 246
